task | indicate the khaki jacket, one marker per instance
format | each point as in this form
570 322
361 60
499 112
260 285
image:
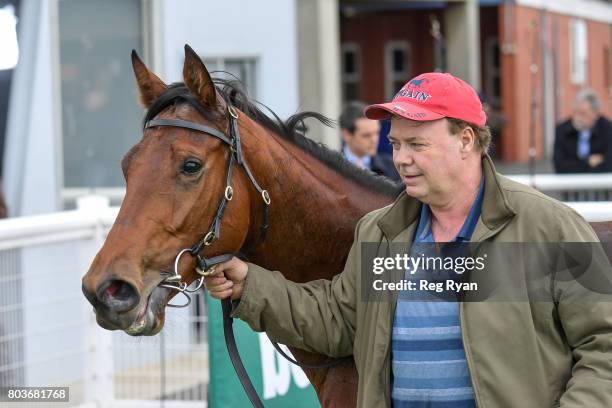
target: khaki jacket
520 354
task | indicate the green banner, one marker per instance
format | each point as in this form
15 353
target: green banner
278 382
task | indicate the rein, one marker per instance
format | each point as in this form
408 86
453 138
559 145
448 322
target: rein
206 266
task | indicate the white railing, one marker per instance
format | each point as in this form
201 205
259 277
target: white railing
48 333
89 222
566 182
571 187
593 211
69 196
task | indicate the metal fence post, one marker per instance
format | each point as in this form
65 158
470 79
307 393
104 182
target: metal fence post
98 370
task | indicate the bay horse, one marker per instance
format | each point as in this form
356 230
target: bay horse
175 180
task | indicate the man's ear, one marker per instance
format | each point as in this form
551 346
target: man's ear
467 138
197 78
149 84
346 135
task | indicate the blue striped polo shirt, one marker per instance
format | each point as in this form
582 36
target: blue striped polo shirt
429 367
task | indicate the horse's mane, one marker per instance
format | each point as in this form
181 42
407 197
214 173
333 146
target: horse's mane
292 129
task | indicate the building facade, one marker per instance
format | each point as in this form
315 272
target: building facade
528 58
528 61
73 107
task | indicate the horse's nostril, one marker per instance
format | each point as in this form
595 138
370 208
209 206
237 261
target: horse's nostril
90 296
119 296
115 287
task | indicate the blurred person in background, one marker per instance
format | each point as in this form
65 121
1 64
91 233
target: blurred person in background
360 137
496 120
3 209
583 143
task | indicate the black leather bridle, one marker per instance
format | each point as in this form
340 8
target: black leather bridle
205 266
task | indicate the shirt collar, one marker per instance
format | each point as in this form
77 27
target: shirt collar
424 233
465 234
350 156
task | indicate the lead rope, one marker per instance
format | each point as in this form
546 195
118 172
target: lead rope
232 349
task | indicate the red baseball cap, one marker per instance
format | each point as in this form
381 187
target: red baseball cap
432 96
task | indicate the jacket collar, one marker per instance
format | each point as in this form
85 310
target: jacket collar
496 210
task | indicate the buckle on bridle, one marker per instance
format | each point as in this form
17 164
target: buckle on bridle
232 111
208 239
229 193
202 267
265 196
207 272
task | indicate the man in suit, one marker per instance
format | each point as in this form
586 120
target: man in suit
583 143
360 136
3 208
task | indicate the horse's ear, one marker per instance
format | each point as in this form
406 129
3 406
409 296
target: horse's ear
197 78
149 84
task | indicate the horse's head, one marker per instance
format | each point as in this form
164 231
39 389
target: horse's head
176 179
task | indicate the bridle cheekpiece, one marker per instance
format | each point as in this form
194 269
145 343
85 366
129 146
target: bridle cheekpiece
206 266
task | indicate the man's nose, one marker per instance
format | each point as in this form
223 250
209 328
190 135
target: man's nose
402 156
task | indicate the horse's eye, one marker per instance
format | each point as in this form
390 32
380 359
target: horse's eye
191 166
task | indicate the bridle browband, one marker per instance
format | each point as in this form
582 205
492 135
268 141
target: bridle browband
206 266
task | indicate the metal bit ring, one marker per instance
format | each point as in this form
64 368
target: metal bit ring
176 262
179 291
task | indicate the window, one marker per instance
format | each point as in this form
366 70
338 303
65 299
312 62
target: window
578 51
351 72
8 37
397 70
101 118
9 55
243 69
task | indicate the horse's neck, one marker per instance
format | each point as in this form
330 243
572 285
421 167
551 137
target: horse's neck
313 211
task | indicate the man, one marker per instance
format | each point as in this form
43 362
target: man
3 209
443 354
360 136
583 143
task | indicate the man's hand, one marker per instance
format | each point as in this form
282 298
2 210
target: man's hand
596 159
228 279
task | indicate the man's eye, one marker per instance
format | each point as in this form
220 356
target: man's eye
395 145
191 166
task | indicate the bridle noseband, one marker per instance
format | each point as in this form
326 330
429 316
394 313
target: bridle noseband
206 266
